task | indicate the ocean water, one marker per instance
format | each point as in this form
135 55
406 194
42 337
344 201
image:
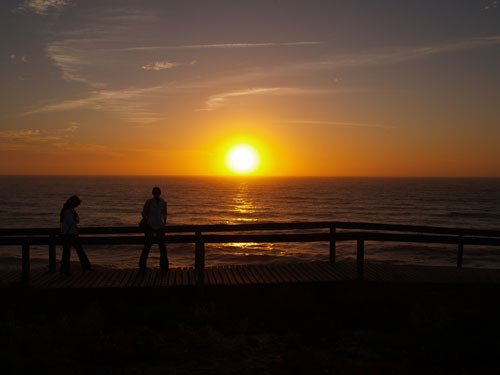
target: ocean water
117 201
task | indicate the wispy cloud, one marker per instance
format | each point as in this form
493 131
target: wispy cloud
27 138
400 55
51 142
362 59
17 58
42 7
160 65
218 100
163 65
83 53
492 4
73 127
71 59
29 135
37 135
129 104
220 46
337 123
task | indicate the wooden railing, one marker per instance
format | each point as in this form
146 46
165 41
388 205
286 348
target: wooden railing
199 235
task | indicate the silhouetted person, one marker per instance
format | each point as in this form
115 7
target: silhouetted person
69 232
155 215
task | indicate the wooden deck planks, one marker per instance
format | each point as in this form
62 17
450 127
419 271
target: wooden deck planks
320 273
125 276
209 277
11 277
267 277
330 270
280 274
310 274
241 276
165 277
284 273
301 277
226 276
252 279
254 273
229 274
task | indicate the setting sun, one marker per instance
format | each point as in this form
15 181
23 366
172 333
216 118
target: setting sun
242 159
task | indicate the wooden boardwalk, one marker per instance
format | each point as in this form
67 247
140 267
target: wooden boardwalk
282 273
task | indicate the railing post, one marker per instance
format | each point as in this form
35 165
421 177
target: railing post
26 262
333 245
199 261
360 257
52 252
460 254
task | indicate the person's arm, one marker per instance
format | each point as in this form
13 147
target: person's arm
68 224
165 214
145 210
76 217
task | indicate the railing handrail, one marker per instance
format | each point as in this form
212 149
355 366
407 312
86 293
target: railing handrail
269 226
356 231
260 238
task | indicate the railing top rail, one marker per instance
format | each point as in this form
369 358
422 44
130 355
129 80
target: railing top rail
269 226
265 238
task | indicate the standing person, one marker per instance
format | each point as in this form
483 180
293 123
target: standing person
69 232
154 214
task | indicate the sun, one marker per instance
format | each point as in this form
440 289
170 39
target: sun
242 159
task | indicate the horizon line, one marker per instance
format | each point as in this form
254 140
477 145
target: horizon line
248 176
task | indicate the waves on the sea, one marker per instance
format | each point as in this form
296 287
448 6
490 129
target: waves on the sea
117 201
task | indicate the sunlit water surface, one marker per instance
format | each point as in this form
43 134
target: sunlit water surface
117 201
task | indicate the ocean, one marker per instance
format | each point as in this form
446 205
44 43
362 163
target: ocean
117 201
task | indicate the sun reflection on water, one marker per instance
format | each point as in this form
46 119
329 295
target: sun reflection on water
250 248
244 206
246 210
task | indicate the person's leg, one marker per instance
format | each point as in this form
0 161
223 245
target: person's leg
84 260
66 254
148 240
163 250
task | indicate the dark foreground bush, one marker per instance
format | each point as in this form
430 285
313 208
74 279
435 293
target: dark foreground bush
292 331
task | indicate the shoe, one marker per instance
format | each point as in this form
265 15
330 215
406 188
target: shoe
142 270
66 273
88 269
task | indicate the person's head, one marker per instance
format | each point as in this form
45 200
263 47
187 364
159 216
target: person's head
156 192
73 202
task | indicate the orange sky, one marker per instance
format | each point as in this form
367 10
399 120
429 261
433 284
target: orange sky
325 90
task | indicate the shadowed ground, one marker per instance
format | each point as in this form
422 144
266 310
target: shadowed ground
374 327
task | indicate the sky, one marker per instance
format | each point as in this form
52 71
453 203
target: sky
319 88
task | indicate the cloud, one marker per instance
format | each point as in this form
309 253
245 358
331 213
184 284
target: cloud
29 135
19 139
73 127
491 5
337 123
42 7
18 58
70 59
160 65
129 104
52 142
219 46
78 52
163 65
400 55
218 100
362 59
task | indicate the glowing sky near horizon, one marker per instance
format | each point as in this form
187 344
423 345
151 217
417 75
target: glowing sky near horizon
323 88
